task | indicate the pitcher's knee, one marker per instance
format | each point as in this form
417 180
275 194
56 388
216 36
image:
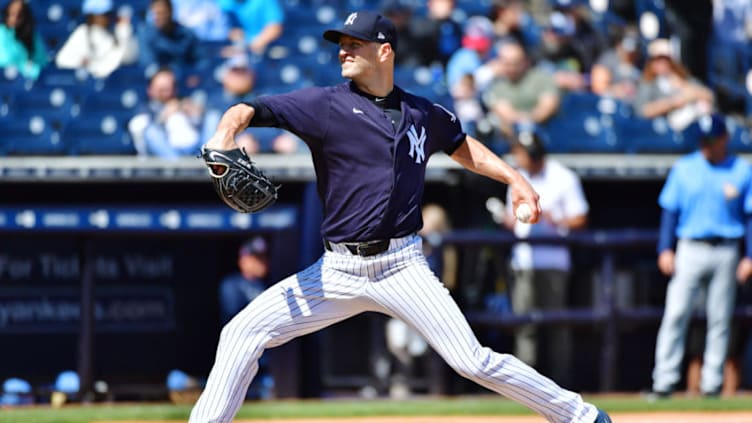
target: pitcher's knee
474 365
237 330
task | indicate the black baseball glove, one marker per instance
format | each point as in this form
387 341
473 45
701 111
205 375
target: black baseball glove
239 183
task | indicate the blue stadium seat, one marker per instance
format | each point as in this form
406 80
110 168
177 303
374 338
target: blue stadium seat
77 83
6 101
30 135
728 65
54 104
653 8
421 80
641 135
12 82
581 134
325 69
584 123
117 101
127 76
740 138
102 133
281 76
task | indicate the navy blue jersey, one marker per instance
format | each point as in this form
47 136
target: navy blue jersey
370 175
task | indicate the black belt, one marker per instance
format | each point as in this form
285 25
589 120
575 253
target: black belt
363 249
716 240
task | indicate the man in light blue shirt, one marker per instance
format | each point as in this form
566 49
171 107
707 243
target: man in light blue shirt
259 20
707 206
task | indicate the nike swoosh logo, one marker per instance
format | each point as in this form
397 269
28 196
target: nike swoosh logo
357 111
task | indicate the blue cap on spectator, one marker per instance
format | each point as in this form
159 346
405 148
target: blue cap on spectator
561 24
709 128
256 246
565 4
96 7
67 382
365 25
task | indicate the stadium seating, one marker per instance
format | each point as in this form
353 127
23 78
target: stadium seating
580 126
98 133
55 105
586 123
652 136
740 138
30 135
123 101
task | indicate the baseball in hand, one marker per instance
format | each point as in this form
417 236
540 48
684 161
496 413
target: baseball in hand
523 213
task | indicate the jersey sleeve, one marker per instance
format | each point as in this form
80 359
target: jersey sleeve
446 130
748 191
671 192
304 112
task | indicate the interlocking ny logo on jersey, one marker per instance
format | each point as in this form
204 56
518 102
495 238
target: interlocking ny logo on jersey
351 19
417 143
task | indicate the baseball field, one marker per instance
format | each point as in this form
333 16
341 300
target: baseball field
628 408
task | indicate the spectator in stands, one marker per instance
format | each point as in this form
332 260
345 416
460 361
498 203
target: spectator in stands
437 35
166 43
541 272
727 67
667 89
167 128
238 78
690 22
586 40
238 289
521 94
460 71
255 23
96 45
477 43
408 53
616 73
707 204
511 20
204 18
559 55
732 20
21 46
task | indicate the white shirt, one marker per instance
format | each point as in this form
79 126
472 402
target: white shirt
562 197
94 48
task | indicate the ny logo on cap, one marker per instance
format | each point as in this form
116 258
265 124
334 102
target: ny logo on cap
351 19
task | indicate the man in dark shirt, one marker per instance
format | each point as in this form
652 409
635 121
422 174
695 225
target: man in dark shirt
166 43
370 142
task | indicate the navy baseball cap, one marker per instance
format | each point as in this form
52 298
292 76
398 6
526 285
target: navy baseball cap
709 128
565 4
254 246
365 25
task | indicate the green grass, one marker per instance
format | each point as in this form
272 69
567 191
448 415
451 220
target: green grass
344 408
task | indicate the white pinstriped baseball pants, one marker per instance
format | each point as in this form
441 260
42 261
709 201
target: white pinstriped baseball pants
398 283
